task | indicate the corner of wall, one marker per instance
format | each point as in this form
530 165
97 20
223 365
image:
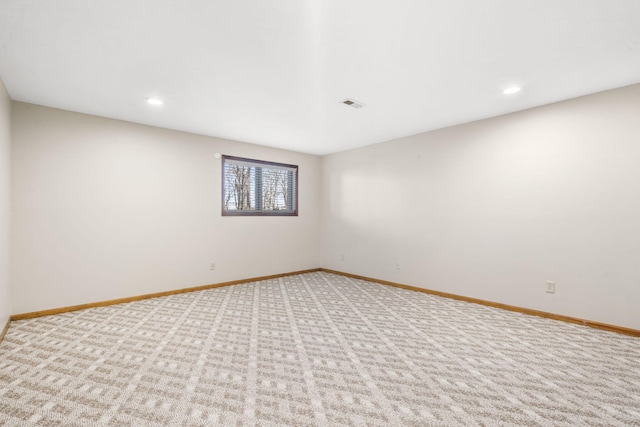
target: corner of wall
5 204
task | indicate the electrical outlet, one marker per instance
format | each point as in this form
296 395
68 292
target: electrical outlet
397 265
551 287
212 266
342 257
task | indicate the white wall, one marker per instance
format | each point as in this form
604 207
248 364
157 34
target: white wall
495 208
5 203
106 209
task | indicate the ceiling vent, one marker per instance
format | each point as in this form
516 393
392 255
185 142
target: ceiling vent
353 103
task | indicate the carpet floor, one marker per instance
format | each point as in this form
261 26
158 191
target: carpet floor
314 350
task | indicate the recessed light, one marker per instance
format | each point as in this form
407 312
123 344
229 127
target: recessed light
155 101
511 90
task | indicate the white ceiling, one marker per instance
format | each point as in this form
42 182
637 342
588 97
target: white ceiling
274 72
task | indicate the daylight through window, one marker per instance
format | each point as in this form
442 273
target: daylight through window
256 187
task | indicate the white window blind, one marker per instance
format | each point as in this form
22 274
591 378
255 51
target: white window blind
257 187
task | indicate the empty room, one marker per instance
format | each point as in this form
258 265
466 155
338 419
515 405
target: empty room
320 213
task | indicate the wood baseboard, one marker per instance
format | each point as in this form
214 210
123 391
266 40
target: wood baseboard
4 331
589 323
60 310
584 322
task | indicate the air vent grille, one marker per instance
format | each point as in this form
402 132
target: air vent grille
353 103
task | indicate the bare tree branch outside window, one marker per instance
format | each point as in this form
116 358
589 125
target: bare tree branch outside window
238 181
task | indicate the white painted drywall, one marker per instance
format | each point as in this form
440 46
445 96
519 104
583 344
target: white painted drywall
5 204
493 209
106 209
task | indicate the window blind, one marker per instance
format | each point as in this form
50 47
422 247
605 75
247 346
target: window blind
257 187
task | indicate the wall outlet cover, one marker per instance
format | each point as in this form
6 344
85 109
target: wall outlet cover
551 287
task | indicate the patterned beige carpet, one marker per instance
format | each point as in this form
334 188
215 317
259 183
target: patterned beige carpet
314 349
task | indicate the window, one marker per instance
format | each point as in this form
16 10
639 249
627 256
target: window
256 187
